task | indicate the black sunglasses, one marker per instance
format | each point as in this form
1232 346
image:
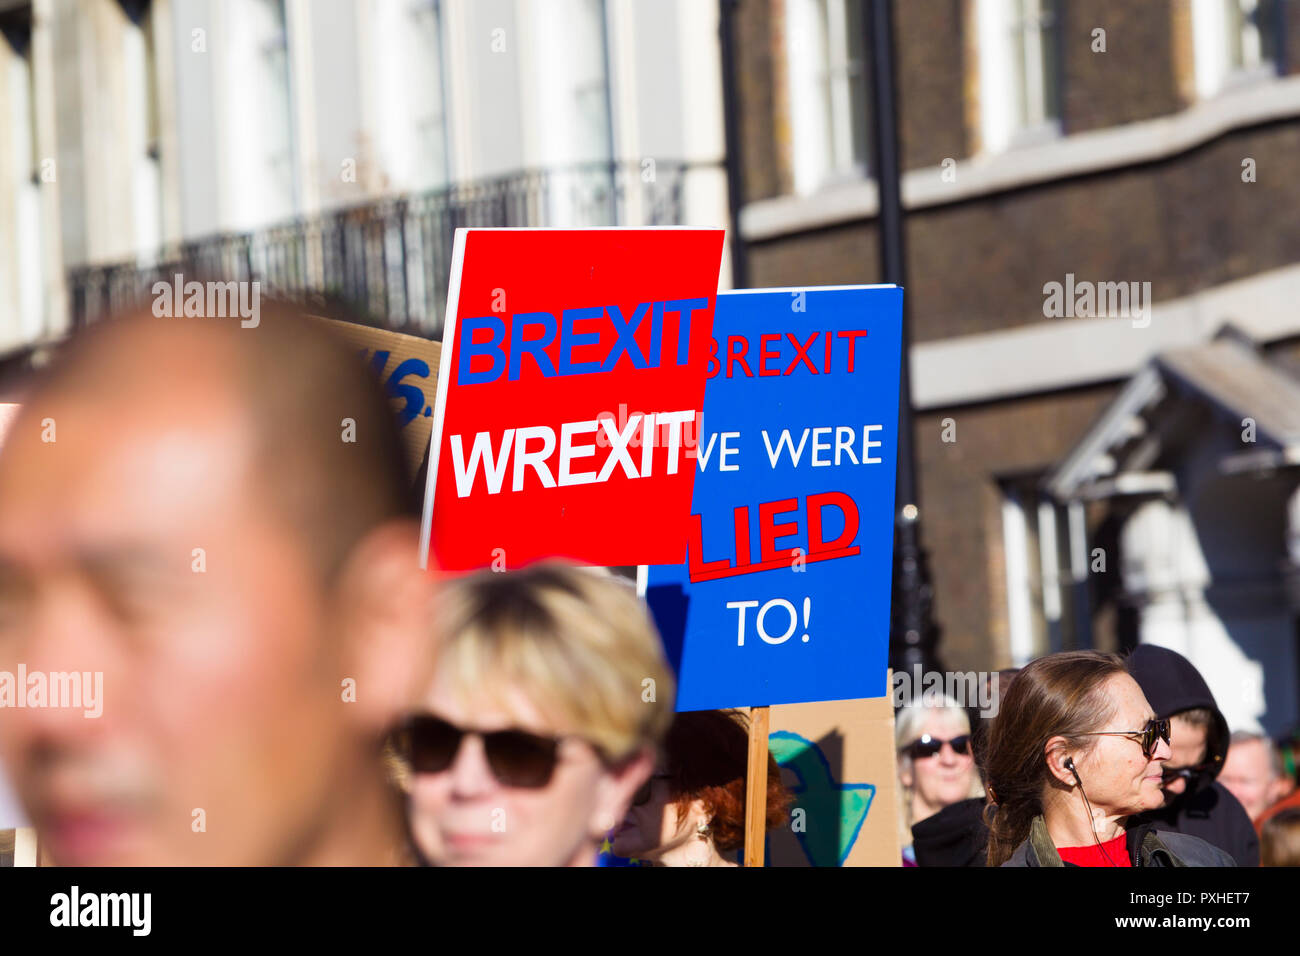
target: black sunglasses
1187 773
516 758
928 746
1154 730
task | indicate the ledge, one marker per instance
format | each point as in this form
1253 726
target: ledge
1095 151
1066 353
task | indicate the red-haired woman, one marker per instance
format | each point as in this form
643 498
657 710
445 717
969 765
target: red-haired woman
691 812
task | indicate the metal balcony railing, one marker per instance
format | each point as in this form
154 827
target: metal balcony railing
389 260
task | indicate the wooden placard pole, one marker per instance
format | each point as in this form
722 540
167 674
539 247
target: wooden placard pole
756 787
26 847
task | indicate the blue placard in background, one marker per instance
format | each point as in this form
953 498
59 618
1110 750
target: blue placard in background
784 597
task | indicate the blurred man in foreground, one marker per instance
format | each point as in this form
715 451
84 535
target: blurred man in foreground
184 511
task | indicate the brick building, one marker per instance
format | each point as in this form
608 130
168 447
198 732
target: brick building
1082 143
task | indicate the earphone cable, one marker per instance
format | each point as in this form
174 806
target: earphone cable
1092 823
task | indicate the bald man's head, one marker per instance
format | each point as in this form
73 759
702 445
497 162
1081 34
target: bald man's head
217 521
323 443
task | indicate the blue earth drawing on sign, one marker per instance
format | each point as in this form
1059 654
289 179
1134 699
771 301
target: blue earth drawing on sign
821 798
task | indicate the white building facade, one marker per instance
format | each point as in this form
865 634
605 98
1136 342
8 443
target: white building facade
132 130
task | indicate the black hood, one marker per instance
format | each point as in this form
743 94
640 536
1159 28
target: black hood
1172 685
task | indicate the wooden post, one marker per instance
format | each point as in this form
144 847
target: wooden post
756 787
25 847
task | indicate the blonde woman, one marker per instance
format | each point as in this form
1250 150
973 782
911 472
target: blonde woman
935 765
550 699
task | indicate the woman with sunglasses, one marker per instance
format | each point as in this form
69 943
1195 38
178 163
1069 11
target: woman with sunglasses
935 766
1074 752
691 812
550 697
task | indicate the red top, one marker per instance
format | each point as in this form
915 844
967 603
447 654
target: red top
1091 855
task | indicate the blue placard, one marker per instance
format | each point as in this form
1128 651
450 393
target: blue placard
784 597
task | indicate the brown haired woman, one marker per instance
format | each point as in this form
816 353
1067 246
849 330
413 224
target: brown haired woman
692 811
1074 751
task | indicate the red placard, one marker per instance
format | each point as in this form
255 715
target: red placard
569 395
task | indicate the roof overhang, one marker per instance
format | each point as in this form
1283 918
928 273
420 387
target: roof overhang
1227 376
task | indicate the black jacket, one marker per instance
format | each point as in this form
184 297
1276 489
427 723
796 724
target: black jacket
1205 809
955 836
1146 845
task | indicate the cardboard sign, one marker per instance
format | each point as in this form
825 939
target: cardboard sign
11 814
838 760
17 846
408 368
784 594
20 847
570 395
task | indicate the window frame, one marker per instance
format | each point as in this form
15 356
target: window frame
823 78
1007 62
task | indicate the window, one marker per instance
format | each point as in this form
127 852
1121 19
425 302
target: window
428 97
589 91
23 274
1046 560
409 104
250 51
1252 33
572 136
409 100
1235 42
1033 43
826 54
568 85
138 60
273 84
17 31
1020 90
